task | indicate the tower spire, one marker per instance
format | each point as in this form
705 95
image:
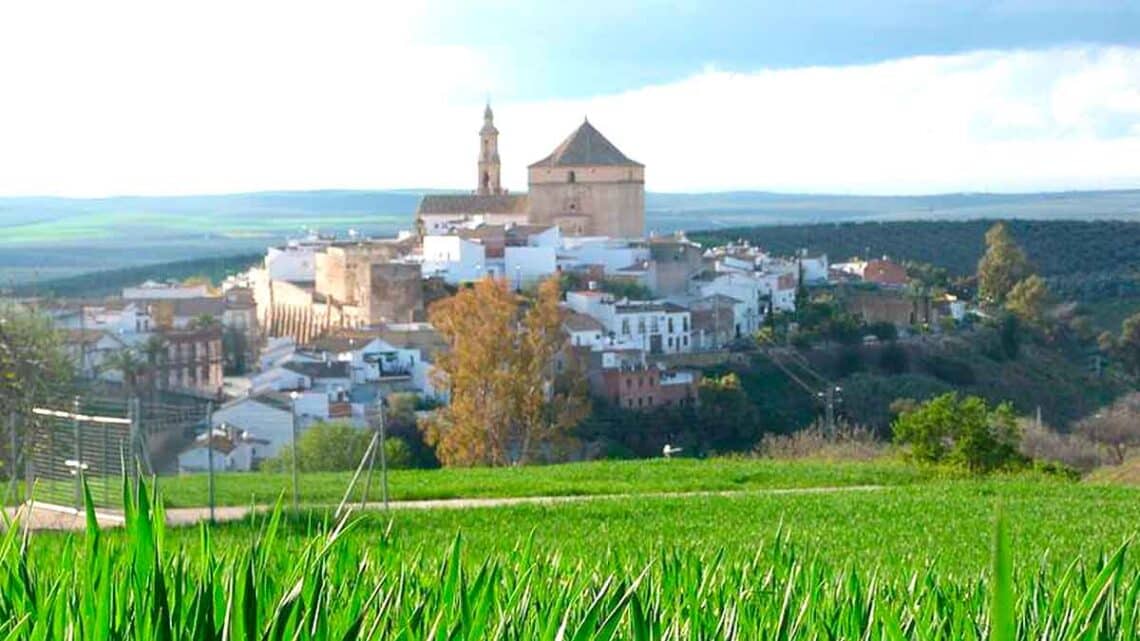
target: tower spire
489 166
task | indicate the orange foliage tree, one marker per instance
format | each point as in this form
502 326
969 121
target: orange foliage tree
507 405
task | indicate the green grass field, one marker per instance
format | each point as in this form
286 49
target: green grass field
914 559
574 479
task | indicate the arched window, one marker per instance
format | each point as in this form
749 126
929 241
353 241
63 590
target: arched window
486 180
571 177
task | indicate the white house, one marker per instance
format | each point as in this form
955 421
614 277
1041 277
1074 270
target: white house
527 265
453 258
657 327
151 290
232 451
608 253
370 359
277 350
266 419
583 330
278 379
745 287
296 261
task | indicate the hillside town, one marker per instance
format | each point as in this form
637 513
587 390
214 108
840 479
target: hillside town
327 327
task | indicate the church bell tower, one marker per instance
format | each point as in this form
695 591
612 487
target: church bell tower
489 156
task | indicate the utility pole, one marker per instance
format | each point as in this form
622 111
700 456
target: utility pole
829 410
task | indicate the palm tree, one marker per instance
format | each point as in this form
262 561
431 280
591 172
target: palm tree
205 321
129 364
155 350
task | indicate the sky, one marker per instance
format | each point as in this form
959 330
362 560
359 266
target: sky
860 97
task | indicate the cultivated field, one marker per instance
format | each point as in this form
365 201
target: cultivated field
573 479
914 559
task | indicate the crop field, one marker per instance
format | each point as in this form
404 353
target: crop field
927 560
572 479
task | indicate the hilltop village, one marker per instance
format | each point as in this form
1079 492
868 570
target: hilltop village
327 326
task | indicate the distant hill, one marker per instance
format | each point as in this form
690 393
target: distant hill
42 238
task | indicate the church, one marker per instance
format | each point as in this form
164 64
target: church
586 187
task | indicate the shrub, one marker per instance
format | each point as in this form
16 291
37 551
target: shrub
1116 427
951 370
893 359
1045 445
336 447
962 431
849 443
883 330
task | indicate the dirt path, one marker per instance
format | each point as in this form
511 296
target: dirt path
45 517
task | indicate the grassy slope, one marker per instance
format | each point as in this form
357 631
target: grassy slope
600 477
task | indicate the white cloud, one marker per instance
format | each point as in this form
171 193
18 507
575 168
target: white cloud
992 120
127 97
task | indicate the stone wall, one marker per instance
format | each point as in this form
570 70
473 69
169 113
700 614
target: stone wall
390 292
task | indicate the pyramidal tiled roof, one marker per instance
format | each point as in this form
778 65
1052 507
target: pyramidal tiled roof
586 146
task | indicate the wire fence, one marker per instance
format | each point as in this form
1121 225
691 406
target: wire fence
59 444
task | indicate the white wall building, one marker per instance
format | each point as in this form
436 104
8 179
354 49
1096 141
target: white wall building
263 419
296 261
151 290
610 254
524 266
655 326
453 258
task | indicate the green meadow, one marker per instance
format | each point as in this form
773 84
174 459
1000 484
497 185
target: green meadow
922 556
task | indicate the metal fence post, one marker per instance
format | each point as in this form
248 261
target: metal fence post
210 458
78 456
296 481
14 471
132 439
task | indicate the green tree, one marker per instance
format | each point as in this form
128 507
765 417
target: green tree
205 321
1028 300
130 365
1128 347
35 368
727 418
1003 265
961 431
235 347
337 447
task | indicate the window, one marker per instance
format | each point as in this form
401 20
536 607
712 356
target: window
571 177
640 325
625 327
628 383
685 324
670 325
649 401
670 342
685 341
629 402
